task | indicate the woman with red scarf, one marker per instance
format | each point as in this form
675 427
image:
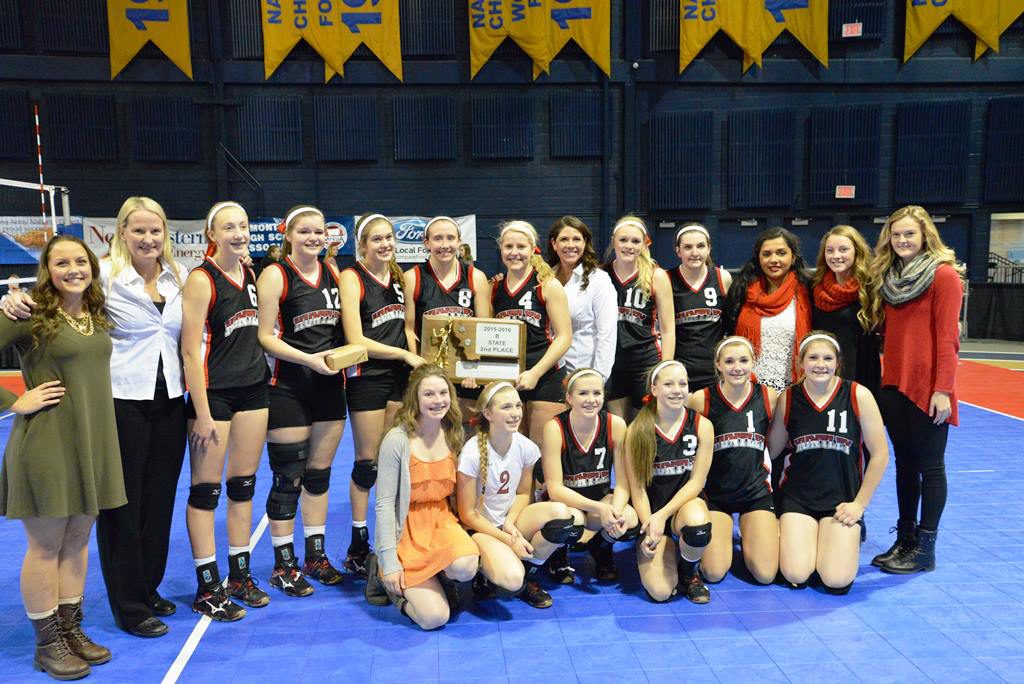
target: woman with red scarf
770 305
842 304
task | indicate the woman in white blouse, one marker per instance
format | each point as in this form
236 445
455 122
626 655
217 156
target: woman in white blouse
590 293
142 284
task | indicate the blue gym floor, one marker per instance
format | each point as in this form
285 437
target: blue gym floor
963 622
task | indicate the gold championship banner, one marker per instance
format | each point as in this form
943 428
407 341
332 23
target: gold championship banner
700 20
1008 12
588 22
334 29
806 20
924 16
133 23
525 21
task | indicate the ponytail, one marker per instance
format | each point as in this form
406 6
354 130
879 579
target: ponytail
641 442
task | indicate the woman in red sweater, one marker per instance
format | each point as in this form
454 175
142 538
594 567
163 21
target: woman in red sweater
919 294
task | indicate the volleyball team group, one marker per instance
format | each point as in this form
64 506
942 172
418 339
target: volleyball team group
654 405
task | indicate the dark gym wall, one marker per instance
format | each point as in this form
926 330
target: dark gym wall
712 144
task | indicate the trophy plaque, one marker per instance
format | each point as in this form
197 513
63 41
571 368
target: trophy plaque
484 349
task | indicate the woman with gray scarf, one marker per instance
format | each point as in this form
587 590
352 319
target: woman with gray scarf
920 291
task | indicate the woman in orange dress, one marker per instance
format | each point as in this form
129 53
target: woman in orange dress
420 544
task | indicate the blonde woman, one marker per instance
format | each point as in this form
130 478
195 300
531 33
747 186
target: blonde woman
375 318
841 303
920 289
421 548
646 331
529 292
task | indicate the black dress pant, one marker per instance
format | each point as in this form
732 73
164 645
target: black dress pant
133 539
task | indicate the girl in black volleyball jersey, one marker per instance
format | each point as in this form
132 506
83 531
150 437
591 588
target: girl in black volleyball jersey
698 293
529 292
825 419
669 453
374 388
740 477
580 451
300 312
646 334
227 407
445 287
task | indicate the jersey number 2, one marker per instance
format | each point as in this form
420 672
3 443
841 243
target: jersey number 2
503 482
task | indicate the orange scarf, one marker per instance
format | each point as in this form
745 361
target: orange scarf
829 295
760 305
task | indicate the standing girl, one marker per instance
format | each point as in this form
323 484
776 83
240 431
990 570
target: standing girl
770 305
299 324
528 292
740 477
61 466
919 295
590 295
669 450
495 480
227 409
699 291
445 287
419 541
646 334
841 300
374 387
824 489
581 455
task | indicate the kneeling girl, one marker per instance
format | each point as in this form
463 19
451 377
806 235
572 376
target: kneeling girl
669 452
826 419
580 454
739 481
418 539
495 477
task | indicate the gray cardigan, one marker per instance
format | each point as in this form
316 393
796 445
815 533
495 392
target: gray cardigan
393 493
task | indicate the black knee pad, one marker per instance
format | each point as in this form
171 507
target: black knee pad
288 463
630 534
562 531
317 481
242 488
538 473
204 496
696 536
364 473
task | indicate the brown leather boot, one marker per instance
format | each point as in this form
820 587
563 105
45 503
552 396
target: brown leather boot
70 615
53 655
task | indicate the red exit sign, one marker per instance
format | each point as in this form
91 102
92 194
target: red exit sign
846 191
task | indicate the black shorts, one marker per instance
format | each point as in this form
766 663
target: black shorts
372 393
225 403
549 388
761 503
790 505
321 400
629 377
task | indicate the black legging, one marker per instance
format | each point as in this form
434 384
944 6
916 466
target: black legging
919 446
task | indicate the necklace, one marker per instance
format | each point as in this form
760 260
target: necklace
82 326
